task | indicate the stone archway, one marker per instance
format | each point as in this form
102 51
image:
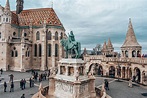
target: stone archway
99 70
137 75
112 71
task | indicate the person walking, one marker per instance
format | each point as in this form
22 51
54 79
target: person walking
21 84
30 80
130 83
1 71
23 96
12 87
24 83
5 86
106 84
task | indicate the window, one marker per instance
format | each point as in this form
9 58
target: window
49 48
27 52
14 33
12 53
56 50
40 50
16 54
35 50
49 35
25 34
56 36
6 19
0 35
61 35
37 35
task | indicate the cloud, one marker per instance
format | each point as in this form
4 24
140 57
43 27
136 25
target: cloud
94 21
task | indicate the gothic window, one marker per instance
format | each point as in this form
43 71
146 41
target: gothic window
126 53
3 19
12 53
61 35
49 48
56 50
37 35
14 33
40 50
56 35
35 50
49 35
6 19
0 35
26 53
25 34
16 54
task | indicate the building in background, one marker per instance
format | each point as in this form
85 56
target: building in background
29 39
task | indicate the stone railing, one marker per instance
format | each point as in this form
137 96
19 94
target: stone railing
138 60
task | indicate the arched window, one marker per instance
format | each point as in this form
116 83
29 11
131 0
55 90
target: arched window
6 19
16 54
61 35
49 48
35 50
126 53
37 35
40 50
14 33
49 35
12 53
25 34
56 35
26 53
56 50
0 35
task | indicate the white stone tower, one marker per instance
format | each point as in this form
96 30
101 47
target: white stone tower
131 47
5 35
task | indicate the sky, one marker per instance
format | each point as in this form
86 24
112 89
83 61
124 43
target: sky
94 21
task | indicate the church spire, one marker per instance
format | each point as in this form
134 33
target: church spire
7 6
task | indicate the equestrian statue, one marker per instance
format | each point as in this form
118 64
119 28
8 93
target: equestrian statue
71 47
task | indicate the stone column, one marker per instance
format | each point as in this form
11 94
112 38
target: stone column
53 53
91 87
126 73
141 77
76 89
51 86
43 55
116 72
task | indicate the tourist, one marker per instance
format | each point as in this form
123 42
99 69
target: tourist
30 80
24 83
11 77
130 83
12 87
106 84
1 71
21 84
33 82
23 96
5 86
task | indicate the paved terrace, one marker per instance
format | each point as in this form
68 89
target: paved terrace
117 89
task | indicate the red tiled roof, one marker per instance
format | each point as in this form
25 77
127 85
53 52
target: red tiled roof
36 16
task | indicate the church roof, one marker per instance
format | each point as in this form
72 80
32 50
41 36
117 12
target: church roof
104 47
36 17
130 37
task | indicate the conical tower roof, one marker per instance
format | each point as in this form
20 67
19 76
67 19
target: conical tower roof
109 44
7 6
104 46
130 37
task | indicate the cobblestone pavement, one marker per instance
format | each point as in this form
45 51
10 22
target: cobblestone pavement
29 92
117 89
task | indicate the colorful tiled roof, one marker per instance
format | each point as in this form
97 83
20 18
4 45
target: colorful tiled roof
36 17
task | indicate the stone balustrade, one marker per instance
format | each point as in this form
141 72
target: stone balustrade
138 60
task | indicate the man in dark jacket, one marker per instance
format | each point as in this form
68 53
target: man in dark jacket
5 86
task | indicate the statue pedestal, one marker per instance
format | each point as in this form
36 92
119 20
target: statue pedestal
71 81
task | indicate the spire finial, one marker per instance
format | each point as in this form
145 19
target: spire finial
130 23
7 6
52 5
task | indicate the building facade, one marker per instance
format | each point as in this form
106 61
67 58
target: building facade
130 65
30 39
